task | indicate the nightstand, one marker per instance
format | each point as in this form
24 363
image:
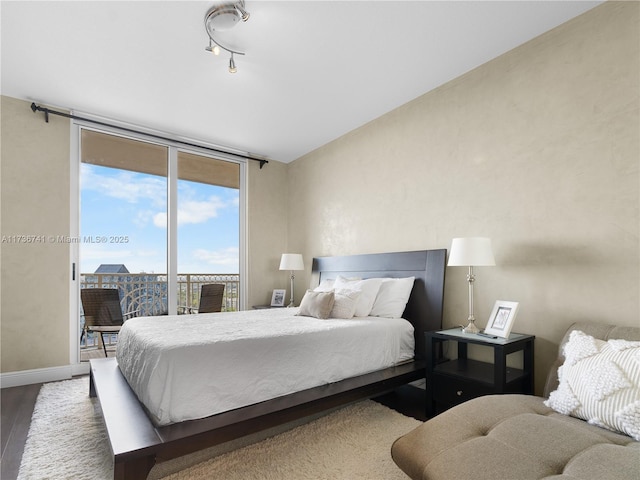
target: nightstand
450 382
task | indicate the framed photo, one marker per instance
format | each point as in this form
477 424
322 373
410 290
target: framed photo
501 319
277 298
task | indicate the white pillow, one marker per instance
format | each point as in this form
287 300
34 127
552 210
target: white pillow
368 289
600 383
392 297
345 303
325 286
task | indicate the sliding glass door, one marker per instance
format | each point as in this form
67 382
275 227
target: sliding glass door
156 222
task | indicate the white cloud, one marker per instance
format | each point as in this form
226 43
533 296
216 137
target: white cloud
160 220
226 256
142 218
193 211
124 185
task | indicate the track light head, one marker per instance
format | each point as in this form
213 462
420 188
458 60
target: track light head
215 49
232 65
243 13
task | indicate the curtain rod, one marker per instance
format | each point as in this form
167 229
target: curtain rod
47 111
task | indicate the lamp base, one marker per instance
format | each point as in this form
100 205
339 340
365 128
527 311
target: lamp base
291 305
471 328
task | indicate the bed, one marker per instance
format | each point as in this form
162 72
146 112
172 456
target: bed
139 436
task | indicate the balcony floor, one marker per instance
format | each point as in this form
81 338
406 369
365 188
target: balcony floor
88 353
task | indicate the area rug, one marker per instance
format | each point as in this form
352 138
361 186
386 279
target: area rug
68 441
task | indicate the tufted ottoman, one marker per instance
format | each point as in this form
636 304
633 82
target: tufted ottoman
513 437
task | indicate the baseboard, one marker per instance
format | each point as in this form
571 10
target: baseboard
42 375
80 369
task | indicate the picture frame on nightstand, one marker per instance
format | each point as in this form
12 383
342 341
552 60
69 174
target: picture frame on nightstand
277 298
502 318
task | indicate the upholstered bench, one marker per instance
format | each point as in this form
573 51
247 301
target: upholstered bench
502 437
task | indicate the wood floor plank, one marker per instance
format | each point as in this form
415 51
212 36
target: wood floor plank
17 409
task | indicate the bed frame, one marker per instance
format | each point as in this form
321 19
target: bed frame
137 444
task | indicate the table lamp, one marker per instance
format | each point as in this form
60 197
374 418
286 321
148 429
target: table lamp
471 252
291 262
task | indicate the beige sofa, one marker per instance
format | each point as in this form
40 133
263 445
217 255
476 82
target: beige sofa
513 437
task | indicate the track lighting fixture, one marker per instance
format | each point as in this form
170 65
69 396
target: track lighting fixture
220 17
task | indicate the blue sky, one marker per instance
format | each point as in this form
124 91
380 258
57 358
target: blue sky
129 209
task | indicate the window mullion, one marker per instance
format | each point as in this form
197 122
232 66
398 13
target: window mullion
172 232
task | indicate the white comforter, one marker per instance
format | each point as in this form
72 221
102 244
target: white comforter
193 366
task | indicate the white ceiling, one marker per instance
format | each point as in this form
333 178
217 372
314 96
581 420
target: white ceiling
313 70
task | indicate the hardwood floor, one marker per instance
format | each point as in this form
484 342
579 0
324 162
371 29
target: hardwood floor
17 405
408 400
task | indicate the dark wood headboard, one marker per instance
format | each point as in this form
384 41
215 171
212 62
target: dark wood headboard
424 309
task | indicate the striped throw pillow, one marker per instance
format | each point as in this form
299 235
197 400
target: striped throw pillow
600 383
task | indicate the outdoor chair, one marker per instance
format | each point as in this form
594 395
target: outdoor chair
211 295
102 312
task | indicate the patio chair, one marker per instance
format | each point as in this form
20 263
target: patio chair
211 295
211 298
102 312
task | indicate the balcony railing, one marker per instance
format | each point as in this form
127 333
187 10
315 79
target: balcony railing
146 294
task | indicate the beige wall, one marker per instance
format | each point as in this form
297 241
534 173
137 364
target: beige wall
538 149
34 176
267 235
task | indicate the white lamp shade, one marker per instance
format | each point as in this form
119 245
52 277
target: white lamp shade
471 252
291 261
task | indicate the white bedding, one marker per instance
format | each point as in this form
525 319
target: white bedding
193 366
